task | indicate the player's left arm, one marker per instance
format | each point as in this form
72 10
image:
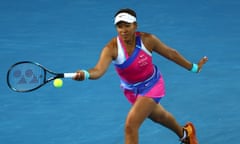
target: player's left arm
173 55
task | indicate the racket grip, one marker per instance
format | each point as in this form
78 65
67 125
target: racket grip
69 75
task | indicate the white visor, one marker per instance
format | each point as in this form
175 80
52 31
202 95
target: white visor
125 17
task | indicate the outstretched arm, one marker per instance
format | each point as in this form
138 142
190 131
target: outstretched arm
175 56
101 66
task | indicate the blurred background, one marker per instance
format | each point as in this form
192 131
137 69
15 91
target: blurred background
67 35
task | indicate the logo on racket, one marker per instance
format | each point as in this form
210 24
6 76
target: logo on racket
25 77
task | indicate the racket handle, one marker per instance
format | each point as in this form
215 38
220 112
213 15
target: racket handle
69 75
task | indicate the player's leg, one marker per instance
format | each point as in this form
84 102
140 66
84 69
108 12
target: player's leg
141 109
163 117
186 134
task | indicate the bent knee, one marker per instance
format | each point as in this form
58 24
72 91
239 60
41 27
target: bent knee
131 125
129 129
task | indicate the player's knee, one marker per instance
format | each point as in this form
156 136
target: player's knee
131 126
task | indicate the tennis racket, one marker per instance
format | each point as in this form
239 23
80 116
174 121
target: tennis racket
26 76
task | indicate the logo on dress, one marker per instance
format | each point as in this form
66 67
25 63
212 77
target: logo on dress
142 60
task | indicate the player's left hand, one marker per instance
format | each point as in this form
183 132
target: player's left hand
201 62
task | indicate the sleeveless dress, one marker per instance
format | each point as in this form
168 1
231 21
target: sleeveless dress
138 75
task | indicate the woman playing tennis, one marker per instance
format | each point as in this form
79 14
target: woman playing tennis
141 81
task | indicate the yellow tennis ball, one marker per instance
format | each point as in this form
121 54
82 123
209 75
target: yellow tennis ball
58 83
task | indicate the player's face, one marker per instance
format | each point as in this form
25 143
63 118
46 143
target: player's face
126 30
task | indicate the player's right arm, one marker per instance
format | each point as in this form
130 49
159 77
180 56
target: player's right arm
108 53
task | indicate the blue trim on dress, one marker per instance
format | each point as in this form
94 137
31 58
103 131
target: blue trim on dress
133 56
143 87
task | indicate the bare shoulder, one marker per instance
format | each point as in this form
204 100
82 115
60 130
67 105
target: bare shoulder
149 40
153 43
111 48
146 36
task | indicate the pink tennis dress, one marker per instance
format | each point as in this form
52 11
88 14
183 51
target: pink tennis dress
138 75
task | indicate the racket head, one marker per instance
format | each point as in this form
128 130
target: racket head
26 76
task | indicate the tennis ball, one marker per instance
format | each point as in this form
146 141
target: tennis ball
57 83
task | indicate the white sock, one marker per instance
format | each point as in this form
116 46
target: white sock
184 135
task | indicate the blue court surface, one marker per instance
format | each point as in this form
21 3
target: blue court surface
67 35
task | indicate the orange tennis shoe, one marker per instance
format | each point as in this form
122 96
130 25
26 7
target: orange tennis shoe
191 134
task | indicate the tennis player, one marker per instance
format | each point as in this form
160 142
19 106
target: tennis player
141 80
